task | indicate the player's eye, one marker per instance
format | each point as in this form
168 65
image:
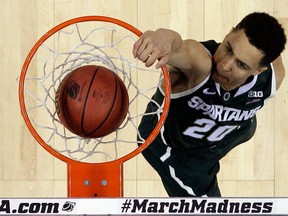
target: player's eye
241 65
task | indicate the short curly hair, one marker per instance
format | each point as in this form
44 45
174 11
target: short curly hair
265 33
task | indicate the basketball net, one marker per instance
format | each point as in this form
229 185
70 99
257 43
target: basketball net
95 166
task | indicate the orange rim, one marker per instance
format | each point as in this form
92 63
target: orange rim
28 59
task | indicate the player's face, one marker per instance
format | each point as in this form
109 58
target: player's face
235 60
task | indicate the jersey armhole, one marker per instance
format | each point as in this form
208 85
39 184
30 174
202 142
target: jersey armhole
187 92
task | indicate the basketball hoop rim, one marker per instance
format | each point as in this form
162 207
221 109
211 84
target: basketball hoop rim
28 59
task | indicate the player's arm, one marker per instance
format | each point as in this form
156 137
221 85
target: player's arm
167 47
279 71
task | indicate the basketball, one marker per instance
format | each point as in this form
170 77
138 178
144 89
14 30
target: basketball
92 101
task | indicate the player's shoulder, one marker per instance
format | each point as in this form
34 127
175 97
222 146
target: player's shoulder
202 47
210 45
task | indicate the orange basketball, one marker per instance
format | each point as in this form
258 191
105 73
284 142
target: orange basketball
92 101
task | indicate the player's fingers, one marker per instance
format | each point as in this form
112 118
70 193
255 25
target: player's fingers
151 59
162 62
141 44
146 53
136 47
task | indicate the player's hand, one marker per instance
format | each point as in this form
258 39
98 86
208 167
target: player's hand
155 45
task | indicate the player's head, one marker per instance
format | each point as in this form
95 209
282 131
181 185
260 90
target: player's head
265 33
247 50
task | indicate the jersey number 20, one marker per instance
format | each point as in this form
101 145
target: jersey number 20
207 128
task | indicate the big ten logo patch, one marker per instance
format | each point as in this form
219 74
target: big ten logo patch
255 94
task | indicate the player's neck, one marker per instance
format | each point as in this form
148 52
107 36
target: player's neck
233 86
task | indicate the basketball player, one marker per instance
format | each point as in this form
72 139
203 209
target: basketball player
216 91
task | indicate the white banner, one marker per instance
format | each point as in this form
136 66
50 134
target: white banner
144 206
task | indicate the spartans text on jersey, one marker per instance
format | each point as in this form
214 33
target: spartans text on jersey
221 113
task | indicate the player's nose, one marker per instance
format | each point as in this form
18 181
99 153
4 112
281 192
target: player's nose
226 64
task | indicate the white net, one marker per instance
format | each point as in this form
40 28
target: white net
88 43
